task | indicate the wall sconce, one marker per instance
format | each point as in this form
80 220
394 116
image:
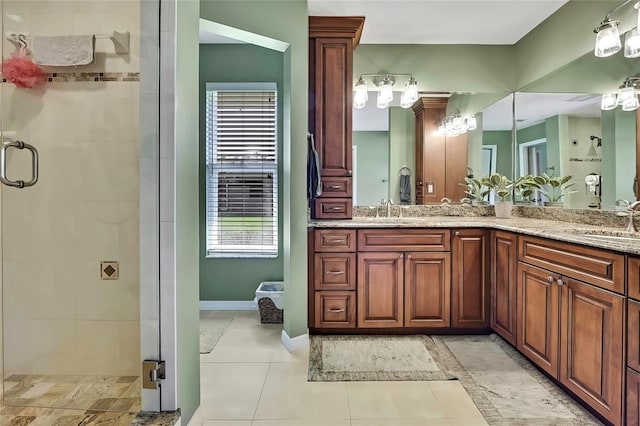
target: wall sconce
627 96
608 37
384 84
454 125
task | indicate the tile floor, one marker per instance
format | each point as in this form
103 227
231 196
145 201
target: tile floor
249 379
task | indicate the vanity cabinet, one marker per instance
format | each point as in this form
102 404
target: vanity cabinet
470 284
504 255
331 44
633 341
399 286
574 328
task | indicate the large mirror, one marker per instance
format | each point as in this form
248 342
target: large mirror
384 145
561 130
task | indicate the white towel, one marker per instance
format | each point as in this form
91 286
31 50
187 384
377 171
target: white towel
63 51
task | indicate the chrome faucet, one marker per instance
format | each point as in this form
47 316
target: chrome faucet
389 204
465 200
630 210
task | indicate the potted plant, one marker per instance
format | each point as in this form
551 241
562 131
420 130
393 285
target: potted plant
555 188
501 187
523 188
476 189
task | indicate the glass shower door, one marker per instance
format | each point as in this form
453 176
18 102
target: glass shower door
70 239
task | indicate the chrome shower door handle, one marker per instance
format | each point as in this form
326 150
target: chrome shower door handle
3 164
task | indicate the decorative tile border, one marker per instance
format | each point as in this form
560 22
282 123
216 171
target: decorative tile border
74 77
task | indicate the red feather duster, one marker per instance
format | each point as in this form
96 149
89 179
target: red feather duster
22 71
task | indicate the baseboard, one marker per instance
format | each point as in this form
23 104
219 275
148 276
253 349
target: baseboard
197 419
298 342
228 305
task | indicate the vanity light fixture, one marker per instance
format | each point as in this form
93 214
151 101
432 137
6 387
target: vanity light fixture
626 97
608 36
384 85
454 125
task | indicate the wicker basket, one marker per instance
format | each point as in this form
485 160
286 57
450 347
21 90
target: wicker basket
269 314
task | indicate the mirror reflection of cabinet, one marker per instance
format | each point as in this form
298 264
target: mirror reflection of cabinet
441 162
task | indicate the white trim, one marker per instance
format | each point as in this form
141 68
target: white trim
197 419
228 305
354 174
521 150
494 157
296 343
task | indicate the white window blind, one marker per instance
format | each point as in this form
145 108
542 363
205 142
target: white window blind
242 171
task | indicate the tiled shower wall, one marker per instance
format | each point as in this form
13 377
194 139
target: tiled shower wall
59 316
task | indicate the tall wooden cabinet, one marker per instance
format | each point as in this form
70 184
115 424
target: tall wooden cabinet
331 44
441 162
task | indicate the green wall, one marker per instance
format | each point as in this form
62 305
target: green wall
229 278
372 167
402 148
286 21
450 68
186 208
501 138
532 133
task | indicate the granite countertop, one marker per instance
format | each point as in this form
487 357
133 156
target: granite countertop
616 239
149 418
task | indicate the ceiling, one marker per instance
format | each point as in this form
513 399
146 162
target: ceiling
441 22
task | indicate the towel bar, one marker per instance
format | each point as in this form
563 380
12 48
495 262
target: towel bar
121 39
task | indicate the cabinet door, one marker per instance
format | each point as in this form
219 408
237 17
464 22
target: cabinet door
427 284
592 346
333 87
633 397
380 289
633 334
503 284
470 298
537 322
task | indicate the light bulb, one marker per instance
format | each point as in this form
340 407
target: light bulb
631 104
381 102
360 95
625 94
609 101
472 124
386 90
441 130
406 101
632 44
458 124
607 39
411 90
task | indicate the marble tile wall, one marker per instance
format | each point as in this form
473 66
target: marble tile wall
59 316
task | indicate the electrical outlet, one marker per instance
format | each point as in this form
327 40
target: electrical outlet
574 142
430 188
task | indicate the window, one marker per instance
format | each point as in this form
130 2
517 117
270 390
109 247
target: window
242 170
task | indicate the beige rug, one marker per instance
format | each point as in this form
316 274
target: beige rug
507 389
375 358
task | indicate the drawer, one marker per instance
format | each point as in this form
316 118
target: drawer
598 267
335 240
336 187
633 277
633 335
404 240
335 271
335 309
333 208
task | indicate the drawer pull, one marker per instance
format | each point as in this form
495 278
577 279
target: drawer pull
334 187
550 279
336 242
335 209
560 282
335 311
335 272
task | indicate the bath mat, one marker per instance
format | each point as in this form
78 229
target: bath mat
507 389
211 329
375 358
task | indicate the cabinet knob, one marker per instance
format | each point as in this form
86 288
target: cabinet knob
457 233
550 279
401 256
408 256
349 172
560 282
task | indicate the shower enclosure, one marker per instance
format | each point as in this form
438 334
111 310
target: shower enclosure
71 286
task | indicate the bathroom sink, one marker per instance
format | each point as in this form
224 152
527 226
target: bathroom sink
605 234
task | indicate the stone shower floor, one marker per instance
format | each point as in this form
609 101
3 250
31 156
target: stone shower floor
66 400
